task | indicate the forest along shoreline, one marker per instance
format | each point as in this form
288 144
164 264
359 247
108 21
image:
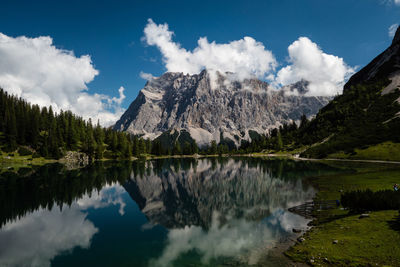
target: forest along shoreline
75 159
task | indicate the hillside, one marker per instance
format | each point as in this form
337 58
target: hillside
366 114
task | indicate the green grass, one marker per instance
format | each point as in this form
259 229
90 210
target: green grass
362 242
375 177
385 151
16 162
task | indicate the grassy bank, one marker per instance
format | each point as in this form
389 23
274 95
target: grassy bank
361 242
14 161
385 151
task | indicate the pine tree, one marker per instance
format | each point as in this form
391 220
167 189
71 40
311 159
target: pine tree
142 146
213 147
135 145
279 143
303 121
114 142
11 130
177 149
195 147
187 148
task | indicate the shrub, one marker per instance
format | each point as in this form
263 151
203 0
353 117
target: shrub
362 200
23 151
35 155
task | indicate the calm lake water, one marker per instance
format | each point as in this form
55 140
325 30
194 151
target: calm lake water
172 212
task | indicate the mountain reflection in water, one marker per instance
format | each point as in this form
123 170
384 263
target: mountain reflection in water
196 211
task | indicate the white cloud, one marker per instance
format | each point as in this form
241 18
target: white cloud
245 57
392 29
146 76
390 2
38 237
34 69
326 73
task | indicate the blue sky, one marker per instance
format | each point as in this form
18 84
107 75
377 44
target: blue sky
111 31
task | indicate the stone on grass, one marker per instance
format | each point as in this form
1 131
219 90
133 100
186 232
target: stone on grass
301 239
364 215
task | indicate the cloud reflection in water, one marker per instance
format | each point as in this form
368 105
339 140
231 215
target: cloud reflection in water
35 239
237 237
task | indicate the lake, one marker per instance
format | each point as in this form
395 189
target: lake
167 212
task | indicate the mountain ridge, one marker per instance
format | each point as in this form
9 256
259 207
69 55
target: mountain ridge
213 109
366 114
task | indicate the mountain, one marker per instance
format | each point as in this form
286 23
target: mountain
366 114
384 66
211 109
192 190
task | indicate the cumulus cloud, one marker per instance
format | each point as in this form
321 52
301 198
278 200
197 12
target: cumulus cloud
245 57
325 73
146 76
390 2
34 69
392 29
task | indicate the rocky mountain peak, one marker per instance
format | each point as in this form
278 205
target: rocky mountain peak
384 66
396 38
211 106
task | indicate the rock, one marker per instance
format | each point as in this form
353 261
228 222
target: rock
335 241
208 106
74 160
364 215
326 260
311 261
301 239
296 230
384 66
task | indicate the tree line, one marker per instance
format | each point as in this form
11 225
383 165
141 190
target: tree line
42 132
352 117
30 129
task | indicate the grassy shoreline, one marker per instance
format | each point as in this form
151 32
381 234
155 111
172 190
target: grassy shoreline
360 242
